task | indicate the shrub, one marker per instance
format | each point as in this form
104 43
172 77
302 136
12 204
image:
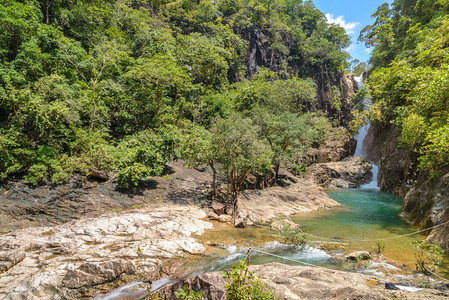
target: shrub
46 166
146 155
188 294
293 235
428 256
244 285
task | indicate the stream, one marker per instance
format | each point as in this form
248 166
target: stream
368 220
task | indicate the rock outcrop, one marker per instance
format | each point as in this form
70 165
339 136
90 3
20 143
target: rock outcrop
67 260
351 172
261 206
23 206
426 201
338 144
298 282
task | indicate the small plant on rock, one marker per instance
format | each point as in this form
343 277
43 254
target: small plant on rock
428 256
293 235
380 247
188 294
244 285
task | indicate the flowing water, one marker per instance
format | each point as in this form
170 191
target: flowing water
368 220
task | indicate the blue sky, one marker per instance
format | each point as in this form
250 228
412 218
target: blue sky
352 15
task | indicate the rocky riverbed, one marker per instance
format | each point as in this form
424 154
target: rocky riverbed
67 260
85 238
299 282
97 237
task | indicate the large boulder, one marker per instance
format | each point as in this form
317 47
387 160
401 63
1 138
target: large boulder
262 206
211 285
218 207
359 255
351 172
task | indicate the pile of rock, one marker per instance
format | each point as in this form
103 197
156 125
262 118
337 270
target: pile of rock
220 212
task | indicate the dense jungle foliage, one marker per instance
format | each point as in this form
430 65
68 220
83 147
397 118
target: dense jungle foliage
124 86
410 78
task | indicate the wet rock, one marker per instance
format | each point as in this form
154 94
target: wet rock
218 208
211 285
225 218
359 255
351 172
262 206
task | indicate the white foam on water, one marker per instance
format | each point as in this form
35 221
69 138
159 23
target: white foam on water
160 283
231 249
311 254
134 290
384 265
276 245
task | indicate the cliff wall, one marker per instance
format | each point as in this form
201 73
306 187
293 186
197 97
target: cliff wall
334 88
426 197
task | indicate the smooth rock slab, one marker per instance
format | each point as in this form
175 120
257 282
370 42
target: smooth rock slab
262 206
8 259
63 261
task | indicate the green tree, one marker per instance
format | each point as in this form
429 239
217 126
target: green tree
197 150
236 146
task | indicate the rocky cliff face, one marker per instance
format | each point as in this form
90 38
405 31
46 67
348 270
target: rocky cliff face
426 198
333 90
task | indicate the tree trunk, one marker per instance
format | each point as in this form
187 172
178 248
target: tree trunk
276 172
214 178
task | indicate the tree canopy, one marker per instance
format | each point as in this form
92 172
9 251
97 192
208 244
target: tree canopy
409 82
89 86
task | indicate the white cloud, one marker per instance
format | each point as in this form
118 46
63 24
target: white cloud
350 48
340 20
368 50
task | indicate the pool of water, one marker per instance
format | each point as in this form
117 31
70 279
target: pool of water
368 220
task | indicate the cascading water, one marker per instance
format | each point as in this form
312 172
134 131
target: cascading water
368 214
360 137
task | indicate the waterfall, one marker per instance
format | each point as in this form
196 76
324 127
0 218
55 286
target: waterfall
360 137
